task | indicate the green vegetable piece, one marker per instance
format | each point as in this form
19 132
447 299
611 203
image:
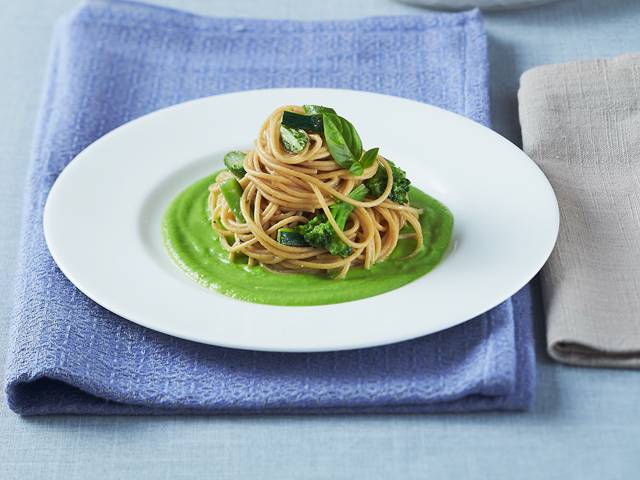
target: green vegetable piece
359 193
232 191
338 248
313 109
369 157
319 233
294 140
308 123
234 162
356 169
291 237
342 139
341 210
399 189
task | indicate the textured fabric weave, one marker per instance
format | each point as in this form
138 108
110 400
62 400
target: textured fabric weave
114 61
581 123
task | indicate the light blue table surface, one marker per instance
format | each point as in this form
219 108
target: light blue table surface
585 423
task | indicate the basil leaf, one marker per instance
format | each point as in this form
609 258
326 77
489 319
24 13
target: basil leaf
356 169
342 139
313 109
369 157
294 140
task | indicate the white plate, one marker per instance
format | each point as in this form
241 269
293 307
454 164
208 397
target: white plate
102 221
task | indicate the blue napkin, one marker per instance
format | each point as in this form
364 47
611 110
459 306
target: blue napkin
114 61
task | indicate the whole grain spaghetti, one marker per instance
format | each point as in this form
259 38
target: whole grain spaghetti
288 204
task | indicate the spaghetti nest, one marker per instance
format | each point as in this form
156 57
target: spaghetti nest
284 191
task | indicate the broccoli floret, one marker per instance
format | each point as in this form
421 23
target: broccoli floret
338 248
400 188
319 233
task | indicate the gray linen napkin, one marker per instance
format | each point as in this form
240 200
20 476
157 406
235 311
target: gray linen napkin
581 124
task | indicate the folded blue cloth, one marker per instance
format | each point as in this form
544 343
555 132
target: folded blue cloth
114 61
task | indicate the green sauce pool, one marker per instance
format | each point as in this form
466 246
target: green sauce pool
194 246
